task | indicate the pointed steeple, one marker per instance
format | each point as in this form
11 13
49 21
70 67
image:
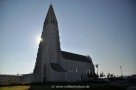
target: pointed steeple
49 48
50 17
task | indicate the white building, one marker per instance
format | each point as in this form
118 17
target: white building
55 65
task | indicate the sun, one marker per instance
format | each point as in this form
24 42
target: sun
39 39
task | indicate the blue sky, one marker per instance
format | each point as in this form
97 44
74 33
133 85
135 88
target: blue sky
103 29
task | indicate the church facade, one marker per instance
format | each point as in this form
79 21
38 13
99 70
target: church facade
53 64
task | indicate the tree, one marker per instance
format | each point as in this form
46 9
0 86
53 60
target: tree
102 74
108 75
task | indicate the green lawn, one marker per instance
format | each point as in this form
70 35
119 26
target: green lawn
15 88
31 87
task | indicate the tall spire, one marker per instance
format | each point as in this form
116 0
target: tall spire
49 48
50 37
50 15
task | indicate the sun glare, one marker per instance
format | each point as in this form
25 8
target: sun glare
38 39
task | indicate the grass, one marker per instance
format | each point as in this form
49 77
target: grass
15 88
30 87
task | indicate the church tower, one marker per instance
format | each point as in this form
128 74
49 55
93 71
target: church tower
55 65
49 48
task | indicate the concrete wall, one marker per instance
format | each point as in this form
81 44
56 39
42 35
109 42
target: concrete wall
75 69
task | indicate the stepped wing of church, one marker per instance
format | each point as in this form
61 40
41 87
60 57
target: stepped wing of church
53 64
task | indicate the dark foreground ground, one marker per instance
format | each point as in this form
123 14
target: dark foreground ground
58 87
110 85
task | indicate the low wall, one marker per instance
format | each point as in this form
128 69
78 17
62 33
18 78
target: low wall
9 79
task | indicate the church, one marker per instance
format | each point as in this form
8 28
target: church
54 65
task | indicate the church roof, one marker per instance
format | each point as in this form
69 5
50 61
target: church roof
57 67
74 57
